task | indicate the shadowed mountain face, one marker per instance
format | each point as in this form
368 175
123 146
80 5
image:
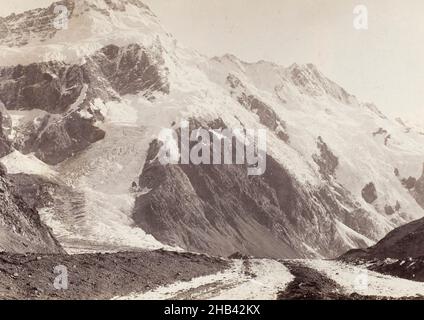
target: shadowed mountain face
216 208
220 209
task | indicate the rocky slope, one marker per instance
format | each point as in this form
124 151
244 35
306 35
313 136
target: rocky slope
399 253
84 106
402 243
21 229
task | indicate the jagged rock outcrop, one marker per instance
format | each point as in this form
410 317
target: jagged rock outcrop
369 193
326 160
266 114
21 229
132 69
50 86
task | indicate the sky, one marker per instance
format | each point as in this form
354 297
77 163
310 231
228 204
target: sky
383 64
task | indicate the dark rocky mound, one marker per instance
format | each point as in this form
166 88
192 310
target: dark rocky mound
401 243
400 253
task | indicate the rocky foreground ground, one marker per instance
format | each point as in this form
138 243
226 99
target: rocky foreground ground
99 276
162 275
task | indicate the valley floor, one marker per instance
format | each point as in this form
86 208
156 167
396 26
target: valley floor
249 279
157 275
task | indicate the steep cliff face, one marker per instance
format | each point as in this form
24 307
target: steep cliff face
21 229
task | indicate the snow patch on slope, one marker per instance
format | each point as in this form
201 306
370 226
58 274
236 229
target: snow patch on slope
364 282
17 162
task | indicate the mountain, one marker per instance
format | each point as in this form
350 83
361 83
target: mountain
83 108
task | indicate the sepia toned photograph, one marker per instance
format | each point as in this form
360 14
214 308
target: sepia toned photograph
233 150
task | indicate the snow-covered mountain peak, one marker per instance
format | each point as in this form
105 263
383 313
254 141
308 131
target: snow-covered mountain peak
106 16
68 30
312 82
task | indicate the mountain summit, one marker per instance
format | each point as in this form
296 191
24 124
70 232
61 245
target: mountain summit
69 29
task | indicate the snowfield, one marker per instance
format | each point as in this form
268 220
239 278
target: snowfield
259 280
